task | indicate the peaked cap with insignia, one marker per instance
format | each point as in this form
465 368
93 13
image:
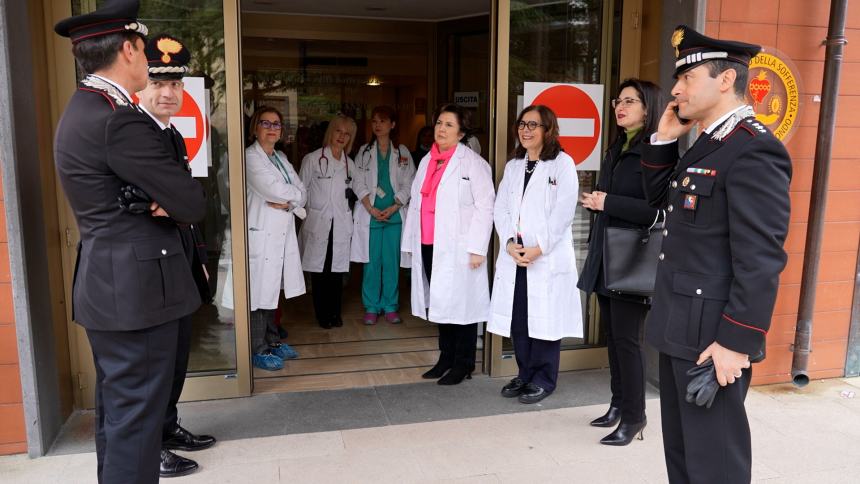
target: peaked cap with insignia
168 58
693 49
113 17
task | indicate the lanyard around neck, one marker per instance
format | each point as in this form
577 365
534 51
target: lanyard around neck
280 165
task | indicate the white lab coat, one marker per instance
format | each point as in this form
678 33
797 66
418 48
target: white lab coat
457 294
325 178
274 262
401 171
545 213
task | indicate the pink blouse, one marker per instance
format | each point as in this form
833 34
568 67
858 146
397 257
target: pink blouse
435 170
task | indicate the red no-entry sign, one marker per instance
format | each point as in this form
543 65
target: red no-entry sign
192 116
579 109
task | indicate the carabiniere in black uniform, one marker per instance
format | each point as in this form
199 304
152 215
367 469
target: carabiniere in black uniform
168 60
132 281
727 204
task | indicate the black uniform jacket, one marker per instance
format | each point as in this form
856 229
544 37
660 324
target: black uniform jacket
131 272
192 237
728 214
625 206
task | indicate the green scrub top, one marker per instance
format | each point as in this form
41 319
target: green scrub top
383 183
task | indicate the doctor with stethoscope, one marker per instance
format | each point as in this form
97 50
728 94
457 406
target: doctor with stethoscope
382 183
327 173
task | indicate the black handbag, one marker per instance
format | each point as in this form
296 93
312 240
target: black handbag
630 258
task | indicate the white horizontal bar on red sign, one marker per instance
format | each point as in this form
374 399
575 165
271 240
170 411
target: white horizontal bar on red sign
186 125
581 127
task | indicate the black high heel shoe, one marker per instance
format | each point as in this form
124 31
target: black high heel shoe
609 419
625 433
456 376
437 371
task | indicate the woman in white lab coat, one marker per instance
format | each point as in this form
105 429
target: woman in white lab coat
448 230
383 179
535 299
325 235
275 196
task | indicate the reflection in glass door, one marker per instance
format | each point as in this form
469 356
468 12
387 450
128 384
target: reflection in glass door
559 41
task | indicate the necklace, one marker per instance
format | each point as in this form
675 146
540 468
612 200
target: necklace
532 169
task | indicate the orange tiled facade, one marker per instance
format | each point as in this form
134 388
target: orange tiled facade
797 28
13 438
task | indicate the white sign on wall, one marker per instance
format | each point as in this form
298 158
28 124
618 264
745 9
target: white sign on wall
192 122
467 99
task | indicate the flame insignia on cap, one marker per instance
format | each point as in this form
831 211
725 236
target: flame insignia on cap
677 38
168 46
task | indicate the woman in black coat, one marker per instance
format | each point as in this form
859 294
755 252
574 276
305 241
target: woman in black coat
619 201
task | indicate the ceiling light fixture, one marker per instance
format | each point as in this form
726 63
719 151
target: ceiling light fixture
374 81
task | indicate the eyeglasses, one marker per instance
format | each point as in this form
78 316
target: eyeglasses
531 125
626 102
266 124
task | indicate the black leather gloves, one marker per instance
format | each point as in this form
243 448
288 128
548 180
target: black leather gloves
703 385
134 200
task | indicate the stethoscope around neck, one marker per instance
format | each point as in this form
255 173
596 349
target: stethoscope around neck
367 153
325 174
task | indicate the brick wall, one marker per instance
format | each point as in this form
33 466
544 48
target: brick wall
797 28
13 438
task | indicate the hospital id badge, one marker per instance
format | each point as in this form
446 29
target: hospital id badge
380 192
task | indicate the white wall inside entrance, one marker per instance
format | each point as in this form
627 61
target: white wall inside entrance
421 10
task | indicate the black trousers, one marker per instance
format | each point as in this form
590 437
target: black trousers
134 373
704 445
457 342
623 322
180 368
264 331
537 359
327 288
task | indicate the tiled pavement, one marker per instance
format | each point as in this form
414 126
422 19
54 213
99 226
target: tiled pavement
799 436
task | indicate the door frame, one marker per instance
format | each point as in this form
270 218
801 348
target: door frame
61 72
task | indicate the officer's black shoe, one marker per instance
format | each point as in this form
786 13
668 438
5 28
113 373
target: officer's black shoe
173 465
337 322
532 393
325 323
609 419
181 439
625 433
514 388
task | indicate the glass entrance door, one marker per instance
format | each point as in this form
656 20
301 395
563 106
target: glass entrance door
558 41
210 122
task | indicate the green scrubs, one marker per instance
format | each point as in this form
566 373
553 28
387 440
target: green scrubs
379 290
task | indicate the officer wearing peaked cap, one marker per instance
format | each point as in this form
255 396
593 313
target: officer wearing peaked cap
168 62
132 281
728 211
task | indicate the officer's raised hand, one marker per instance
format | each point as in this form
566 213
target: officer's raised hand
670 127
727 363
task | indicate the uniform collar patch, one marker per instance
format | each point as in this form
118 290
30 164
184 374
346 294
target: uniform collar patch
730 123
96 83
